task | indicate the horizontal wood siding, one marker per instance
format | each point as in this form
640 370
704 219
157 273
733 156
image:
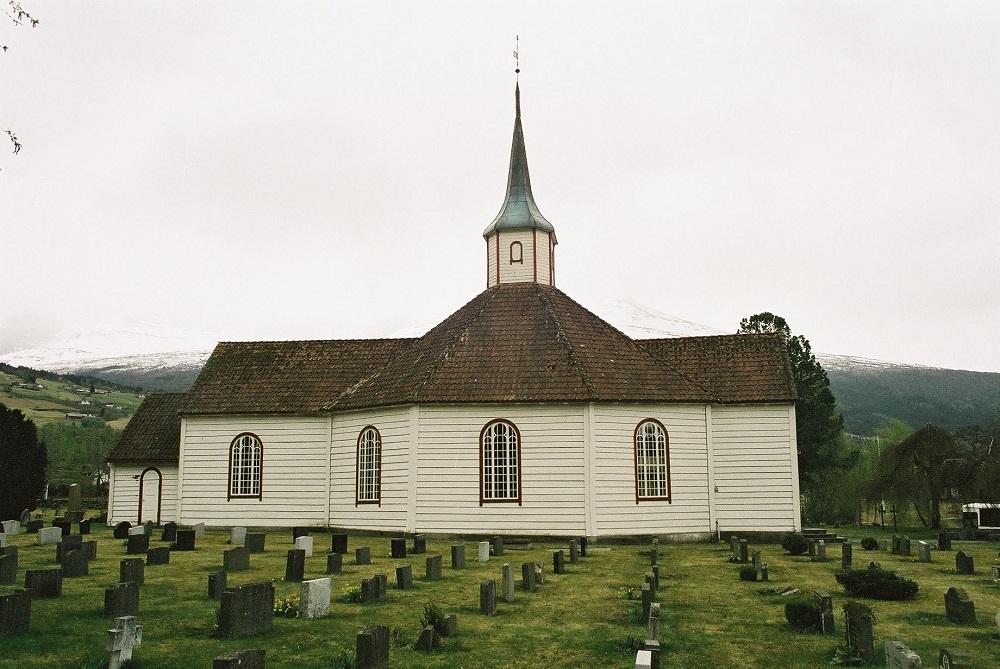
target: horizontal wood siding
294 485
125 497
516 272
552 470
394 426
491 261
542 240
615 509
753 447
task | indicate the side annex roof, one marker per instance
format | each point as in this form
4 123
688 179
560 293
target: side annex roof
154 432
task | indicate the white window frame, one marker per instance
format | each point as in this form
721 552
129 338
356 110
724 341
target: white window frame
368 486
500 463
246 466
652 461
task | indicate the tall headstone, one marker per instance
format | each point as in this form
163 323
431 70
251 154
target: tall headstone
744 551
574 551
904 545
397 547
70 543
75 503
131 570
236 559
314 601
652 646
824 602
238 536
734 544
199 530
583 546
15 613
136 544
507 582
334 563
371 648
8 569
899 656
419 544
299 532
241 659
65 526
404 577
964 564
821 551
43 583
369 590
305 543
488 597
924 551
85 527
557 563
458 556
528 577
655 570
185 540
74 564
34 525
859 631
647 600
496 545
216 584
944 540
653 626
295 565
254 542
122 640
427 639
24 517
362 556
169 531
381 584
434 568
246 610
484 551
138 530
338 543
958 607
121 599
846 555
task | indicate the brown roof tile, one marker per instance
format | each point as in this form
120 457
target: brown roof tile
154 432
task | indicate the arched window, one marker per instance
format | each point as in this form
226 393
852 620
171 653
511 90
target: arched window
652 461
245 460
369 464
499 463
516 252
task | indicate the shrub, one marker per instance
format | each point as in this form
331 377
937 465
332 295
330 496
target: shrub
795 543
802 613
877 583
748 573
434 617
869 543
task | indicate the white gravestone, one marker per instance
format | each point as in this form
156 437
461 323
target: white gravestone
49 535
122 641
306 544
643 659
653 631
238 536
924 551
199 530
508 583
11 527
137 530
314 602
484 551
899 656
3 540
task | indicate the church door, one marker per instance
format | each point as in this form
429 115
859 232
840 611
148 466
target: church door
150 487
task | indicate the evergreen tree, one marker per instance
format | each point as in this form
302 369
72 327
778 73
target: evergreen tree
22 475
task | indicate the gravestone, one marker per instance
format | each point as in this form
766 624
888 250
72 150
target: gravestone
131 570
995 572
744 551
651 580
557 563
397 547
874 565
185 540
895 544
136 544
246 610
32 526
49 535
574 551
24 517
8 569
295 565
824 602
169 531
314 601
338 543
507 582
654 554
42 583
236 559
653 627
755 560
122 640
74 564
147 528
899 656
3 540
647 600
427 639
434 568
299 532
381 584
450 624
158 555
958 607
199 530
904 546
496 546
964 564
419 544
216 584
369 590
484 551
70 543
583 546
652 646
846 555
924 551
362 555
488 597
884 544
305 543
334 563
121 529
734 544
9 550
859 630
371 648
404 577
655 570
643 659
821 551
812 549
85 527
763 571
121 599
528 577
458 556
539 573
254 542
241 659
238 536
950 658
64 526
944 540
75 502
138 530
15 613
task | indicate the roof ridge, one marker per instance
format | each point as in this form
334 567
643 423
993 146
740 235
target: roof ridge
315 341
561 335
714 336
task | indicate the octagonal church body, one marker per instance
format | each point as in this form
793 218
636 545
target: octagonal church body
521 413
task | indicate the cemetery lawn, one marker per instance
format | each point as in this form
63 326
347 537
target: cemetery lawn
580 619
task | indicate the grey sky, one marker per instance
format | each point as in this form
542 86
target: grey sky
321 170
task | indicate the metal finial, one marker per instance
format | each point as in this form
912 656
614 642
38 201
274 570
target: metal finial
517 65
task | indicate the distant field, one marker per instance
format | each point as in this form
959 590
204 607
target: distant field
58 397
580 619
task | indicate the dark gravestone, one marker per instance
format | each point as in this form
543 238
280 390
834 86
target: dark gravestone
159 555
240 659
136 544
338 543
334 563
362 556
647 600
419 544
496 544
964 564
557 563
656 574
895 545
397 548
15 613
427 639
121 599
381 584
8 569
904 545
33 526
528 577
216 584
859 630
43 582
744 551
458 556
846 555
121 529
574 551
9 550
169 532
434 568
295 565
85 526
369 590
824 603
299 532
147 528
944 540
63 525
254 542
74 564
70 543
651 580
131 570
404 577
654 555
371 648
247 610
236 559
488 597
583 546
185 540
950 658
958 607
90 549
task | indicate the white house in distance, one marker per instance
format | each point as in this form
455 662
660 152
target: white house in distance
522 413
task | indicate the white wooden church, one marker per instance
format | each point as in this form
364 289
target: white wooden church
522 413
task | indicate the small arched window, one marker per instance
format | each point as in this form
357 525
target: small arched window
499 463
245 465
369 464
516 252
652 461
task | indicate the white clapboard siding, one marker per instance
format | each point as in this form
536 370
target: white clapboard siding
752 451
293 478
124 502
394 426
552 470
535 247
613 472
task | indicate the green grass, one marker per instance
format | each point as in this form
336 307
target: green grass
581 619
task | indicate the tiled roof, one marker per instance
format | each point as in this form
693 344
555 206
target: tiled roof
735 368
153 434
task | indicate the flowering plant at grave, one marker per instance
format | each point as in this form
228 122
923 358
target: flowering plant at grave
629 592
352 595
287 607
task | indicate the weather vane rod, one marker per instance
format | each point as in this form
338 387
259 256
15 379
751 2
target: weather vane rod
517 63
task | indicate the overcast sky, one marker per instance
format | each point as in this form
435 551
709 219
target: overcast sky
325 170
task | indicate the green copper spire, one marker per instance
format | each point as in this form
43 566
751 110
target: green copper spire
519 211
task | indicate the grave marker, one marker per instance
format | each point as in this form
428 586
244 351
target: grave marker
904 546
32 526
507 582
419 544
15 613
958 607
216 584
169 531
652 646
362 556
653 627
122 640
158 555
8 569
734 544
185 540
397 547
583 546
131 570
954 659
643 659
64 526
404 577
821 551
314 602
846 555
458 556
295 565
859 630
136 544
199 530
246 610
923 551
236 559
434 568
484 551
427 639
369 590
238 536
334 563
744 551
371 648
574 552
299 532
655 570
825 604
338 543
496 545
305 543
647 600
451 624
488 597
90 549
254 542
138 530
381 584
121 529
241 659
557 563
944 540
964 564
121 599
49 535
528 577
43 583
899 656
85 527
74 564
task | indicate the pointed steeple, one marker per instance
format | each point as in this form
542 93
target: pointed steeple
519 211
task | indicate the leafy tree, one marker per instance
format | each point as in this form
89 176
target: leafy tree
24 458
979 468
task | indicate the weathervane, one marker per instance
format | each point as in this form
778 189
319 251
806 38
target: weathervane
517 64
